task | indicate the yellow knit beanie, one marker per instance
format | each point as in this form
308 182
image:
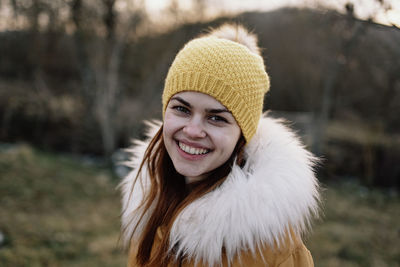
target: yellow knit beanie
225 70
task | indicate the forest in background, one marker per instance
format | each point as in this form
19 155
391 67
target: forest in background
83 83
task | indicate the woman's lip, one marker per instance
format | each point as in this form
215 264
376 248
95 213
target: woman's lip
188 156
191 144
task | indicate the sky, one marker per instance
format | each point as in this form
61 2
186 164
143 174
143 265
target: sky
158 10
363 8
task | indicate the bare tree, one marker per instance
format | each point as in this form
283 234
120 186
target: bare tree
352 30
100 67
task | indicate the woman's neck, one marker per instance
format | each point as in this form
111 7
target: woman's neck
190 180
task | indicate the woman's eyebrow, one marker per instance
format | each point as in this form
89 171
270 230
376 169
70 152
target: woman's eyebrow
181 100
211 110
217 110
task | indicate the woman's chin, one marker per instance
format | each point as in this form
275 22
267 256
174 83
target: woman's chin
190 175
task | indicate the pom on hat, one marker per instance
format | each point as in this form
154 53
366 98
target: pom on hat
236 33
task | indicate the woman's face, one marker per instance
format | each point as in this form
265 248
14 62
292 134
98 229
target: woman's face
200 134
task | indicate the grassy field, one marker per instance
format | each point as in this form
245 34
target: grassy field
62 211
360 227
57 211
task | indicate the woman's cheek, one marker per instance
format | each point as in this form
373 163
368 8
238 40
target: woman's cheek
222 137
171 121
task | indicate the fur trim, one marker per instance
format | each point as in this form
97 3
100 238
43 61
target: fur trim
256 205
132 194
237 33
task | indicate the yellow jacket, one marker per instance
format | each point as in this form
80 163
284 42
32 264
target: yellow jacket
267 202
291 254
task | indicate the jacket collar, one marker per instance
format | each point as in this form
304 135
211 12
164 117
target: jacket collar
256 205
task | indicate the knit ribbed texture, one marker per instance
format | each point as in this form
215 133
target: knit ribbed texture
225 70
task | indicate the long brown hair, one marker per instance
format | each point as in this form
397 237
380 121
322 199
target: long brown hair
169 195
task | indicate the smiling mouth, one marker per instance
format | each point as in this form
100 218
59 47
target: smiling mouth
193 150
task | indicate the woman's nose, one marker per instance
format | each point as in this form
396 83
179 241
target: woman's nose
194 129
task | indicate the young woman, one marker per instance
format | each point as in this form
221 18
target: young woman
217 183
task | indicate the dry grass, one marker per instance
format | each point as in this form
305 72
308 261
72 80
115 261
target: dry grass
57 211
360 227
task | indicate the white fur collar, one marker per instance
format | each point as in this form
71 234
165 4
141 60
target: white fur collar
256 204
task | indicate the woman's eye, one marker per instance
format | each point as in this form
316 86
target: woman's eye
181 109
218 118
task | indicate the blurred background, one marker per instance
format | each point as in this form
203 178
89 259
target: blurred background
78 77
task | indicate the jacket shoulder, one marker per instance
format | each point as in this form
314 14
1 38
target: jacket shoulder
300 257
291 253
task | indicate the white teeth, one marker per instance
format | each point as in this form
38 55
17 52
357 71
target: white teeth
192 150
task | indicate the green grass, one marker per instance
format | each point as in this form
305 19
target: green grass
59 211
